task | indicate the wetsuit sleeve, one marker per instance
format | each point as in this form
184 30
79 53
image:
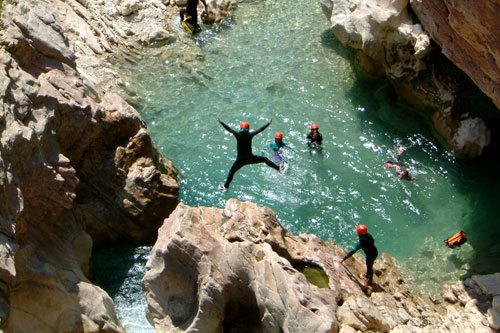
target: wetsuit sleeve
348 255
260 129
229 129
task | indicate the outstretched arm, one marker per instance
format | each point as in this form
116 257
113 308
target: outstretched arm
204 3
348 255
229 129
262 128
391 164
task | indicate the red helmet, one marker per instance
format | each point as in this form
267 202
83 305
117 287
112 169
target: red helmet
361 229
314 126
244 125
278 135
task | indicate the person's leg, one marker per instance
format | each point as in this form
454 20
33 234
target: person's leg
193 17
369 269
182 12
236 166
262 159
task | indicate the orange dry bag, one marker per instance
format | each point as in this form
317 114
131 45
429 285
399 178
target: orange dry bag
456 240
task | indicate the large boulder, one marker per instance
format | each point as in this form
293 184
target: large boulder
391 42
237 268
201 279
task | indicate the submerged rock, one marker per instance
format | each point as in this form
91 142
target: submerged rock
237 268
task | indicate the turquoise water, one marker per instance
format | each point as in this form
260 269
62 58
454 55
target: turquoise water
279 59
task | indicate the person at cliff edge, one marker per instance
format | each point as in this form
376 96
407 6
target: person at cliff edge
367 243
244 148
189 16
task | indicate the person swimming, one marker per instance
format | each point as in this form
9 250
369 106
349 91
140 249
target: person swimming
244 150
401 171
276 146
314 138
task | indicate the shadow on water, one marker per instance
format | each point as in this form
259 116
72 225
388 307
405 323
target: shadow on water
113 266
331 42
480 181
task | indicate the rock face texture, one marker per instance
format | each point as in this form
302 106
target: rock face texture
77 167
469 35
390 42
238 269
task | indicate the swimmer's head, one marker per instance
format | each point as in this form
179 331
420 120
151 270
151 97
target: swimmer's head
314 127
244 126
404 174
278 136
361 230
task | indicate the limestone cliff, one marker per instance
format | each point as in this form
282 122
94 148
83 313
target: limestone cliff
77 167
391 42
237 269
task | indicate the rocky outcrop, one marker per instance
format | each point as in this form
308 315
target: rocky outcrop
469 35
238 269
390 42
77 167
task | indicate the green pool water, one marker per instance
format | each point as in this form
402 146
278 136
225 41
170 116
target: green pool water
279 59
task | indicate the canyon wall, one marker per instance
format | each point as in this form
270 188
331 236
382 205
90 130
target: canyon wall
78 169
468 33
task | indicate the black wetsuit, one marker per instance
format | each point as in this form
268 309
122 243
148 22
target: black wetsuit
192 11
367 243
316 141
245 156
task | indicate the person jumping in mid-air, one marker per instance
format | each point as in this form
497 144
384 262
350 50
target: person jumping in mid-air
189 16
400 169
244 147
276 146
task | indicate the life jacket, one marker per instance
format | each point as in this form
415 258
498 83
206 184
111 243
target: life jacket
456 240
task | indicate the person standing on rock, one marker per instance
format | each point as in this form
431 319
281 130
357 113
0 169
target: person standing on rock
244 147
189 16
367 243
